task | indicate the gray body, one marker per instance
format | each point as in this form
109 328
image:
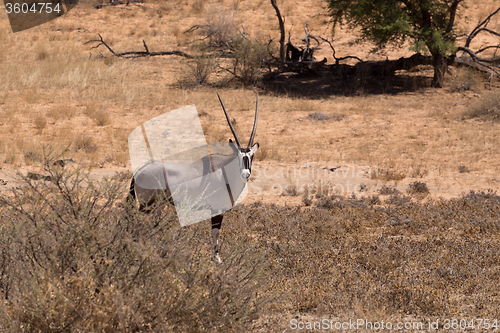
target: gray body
151 184
152 177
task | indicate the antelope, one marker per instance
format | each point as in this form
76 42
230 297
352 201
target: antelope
176 173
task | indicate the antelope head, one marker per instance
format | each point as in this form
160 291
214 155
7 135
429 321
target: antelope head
245 155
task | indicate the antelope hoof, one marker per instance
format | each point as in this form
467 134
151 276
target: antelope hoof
216 255
217 258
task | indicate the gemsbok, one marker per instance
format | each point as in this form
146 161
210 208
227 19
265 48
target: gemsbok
171 174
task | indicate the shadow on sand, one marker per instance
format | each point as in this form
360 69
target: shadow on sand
327 84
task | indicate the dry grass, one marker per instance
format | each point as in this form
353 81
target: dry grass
103 266
97 260
488 108
383 257
40 122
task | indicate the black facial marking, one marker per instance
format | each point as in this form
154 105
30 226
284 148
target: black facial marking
246 162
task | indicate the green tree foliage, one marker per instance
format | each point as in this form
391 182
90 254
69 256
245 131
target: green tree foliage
427 24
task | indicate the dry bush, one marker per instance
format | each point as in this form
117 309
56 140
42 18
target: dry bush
388 190
42 54
337 257
418 188
84 142
61 112
419 172
487 108
75 258
220 27
249 60
291 190
463 169
464 79
199 70
101 118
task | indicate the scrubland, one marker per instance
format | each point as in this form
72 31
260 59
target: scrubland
418 239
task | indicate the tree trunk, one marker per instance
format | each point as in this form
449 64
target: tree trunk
282 34
440 66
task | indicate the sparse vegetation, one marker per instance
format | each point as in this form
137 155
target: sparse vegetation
388 190
40 122
75 257
463 169
198 72
382 255
418 188
464 79
320 116
487 108
84 142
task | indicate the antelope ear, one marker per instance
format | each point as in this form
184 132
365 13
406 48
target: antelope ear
233 146
255 147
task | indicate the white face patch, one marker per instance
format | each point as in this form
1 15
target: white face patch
245 158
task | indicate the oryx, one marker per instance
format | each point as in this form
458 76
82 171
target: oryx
178 172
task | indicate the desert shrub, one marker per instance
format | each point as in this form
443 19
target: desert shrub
84 142
388 190
398 200
74 257
487 108
248 60
291 190
418 188
463 169
198 71
220 27
372 200
94 112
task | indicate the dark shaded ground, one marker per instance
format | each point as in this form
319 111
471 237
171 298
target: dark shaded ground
333 83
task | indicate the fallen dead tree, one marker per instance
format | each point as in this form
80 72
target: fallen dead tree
136 54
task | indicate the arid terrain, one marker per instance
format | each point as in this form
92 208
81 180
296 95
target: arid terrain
59 94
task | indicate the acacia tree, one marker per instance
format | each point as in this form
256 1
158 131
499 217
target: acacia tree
427 24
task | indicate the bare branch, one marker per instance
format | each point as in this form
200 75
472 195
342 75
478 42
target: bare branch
136 54
480 27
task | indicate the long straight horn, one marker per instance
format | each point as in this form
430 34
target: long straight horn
230 124
250 142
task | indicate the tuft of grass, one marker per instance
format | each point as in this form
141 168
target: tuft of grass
84 142
388 175
463 169
320 116
487 108
198 7
40 122
99 116
291 190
